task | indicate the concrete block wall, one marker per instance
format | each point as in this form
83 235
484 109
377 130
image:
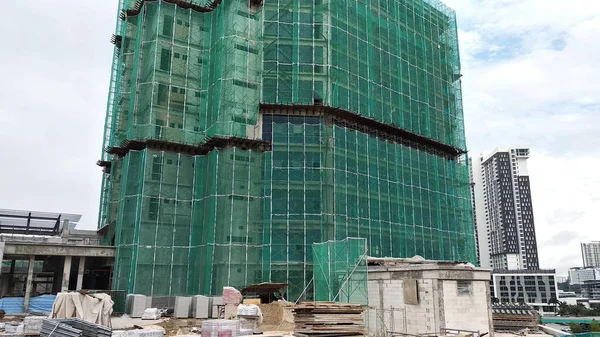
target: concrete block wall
468 312
387 296
439 303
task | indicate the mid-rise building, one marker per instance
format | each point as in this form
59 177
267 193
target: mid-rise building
562 279
591 290
580 275
533 287
590 252
571 298
239 133
503 211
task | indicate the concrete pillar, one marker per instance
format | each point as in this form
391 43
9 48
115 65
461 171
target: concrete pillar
65 230
11 282
66 274
2 244
80 272
29 284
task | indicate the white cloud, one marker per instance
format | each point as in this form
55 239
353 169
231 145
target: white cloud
531 78
539 89
565 198
55 66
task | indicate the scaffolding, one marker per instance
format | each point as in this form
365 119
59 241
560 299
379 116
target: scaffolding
240 133
340 271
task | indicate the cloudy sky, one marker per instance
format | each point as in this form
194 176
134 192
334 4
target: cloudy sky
531 79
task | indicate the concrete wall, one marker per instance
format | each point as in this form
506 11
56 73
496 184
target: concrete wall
468 312
439 303
392 314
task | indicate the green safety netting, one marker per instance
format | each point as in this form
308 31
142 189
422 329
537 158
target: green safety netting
188 223
340 271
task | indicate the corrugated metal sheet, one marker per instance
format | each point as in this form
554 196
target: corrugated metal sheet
54 328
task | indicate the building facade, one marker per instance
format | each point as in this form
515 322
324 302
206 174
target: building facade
503 212
590 252
533 287
580 275
239 133
562 279
591 290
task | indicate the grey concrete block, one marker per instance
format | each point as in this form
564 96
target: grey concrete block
216 301
182 307
136 304
201 307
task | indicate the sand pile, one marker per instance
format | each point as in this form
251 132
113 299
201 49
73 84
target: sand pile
276 316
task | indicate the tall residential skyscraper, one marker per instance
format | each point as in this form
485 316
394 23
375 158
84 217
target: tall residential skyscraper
503 211
239 133
590 252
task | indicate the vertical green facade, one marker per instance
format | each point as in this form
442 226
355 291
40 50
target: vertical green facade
189 215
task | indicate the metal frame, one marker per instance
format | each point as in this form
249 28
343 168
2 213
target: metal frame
36 223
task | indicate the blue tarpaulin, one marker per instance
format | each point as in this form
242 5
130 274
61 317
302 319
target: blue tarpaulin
39 304
42 304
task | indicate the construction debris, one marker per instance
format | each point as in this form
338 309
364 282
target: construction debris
514 317
32 325
152 314
329 319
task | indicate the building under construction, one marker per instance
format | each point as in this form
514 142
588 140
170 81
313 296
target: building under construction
240 132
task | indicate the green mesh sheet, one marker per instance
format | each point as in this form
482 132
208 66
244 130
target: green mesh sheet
188 225
340 271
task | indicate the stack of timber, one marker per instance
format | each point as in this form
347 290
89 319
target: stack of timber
514 317
328 319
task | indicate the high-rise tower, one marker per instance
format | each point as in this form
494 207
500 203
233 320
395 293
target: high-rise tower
503 210
239 133
590 253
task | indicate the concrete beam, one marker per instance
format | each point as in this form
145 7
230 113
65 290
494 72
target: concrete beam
29 284
25 249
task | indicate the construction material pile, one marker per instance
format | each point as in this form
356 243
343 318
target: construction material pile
220 327
328 319
73 327
95 308
52 327
514 317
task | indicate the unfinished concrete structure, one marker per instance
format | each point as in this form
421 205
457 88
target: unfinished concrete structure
238 133
43 253
416 296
